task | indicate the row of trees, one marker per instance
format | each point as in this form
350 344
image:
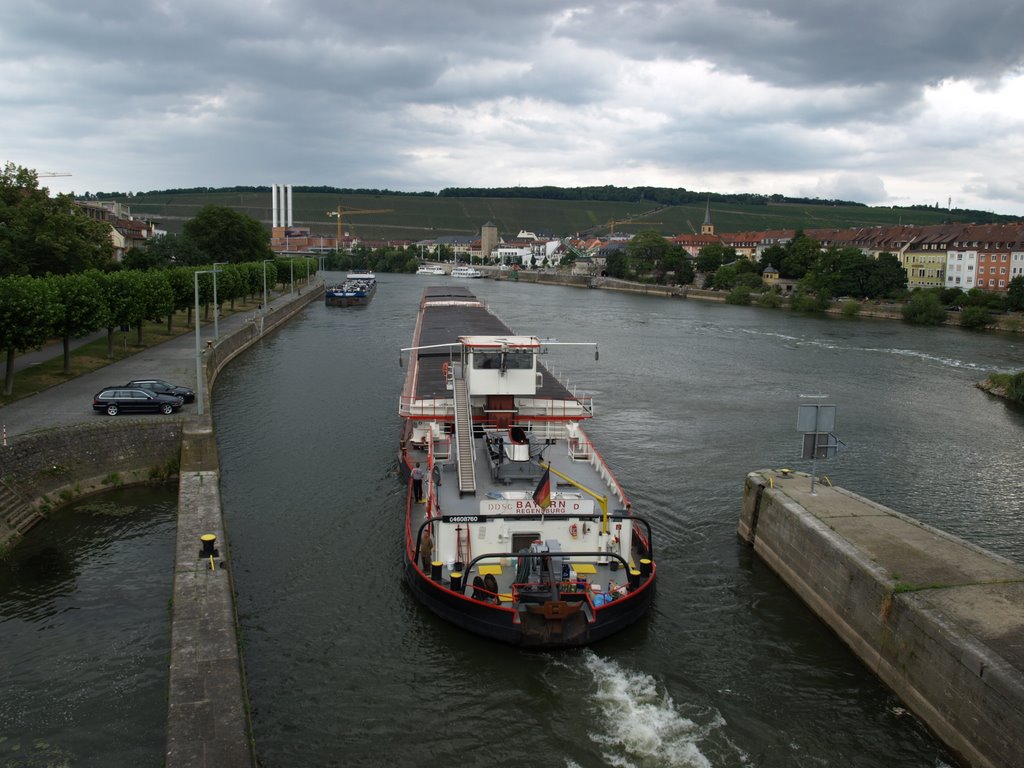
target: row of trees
826 274
821 275
35 310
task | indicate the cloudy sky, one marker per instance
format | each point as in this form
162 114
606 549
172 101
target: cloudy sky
880 101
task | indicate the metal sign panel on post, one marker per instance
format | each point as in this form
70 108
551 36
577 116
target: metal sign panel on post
816 418
817 422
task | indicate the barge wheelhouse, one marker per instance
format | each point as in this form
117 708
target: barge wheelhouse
516 528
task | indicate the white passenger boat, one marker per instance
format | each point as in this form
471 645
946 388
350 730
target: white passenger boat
467 272
516 528
431 269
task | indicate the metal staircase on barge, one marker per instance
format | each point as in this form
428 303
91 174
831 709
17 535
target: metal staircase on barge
464 438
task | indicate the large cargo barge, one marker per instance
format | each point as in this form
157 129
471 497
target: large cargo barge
516 528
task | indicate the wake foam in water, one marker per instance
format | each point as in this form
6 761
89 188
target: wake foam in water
949 362
638 724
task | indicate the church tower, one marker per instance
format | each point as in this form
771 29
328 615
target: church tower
707 228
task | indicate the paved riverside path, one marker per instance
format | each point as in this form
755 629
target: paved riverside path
71 402
939 620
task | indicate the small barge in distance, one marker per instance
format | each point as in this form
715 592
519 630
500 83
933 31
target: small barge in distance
357 290
516 529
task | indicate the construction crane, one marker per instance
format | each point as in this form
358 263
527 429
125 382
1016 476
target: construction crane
613 222
339 212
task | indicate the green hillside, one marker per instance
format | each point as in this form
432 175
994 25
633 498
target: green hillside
414 217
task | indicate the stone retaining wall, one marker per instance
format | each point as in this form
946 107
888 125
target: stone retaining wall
51 468
961 687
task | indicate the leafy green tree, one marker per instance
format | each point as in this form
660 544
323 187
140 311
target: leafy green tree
122 292
749 280
616 264
739 295
853 272
29 308
724 277
146 258
1015 294
40 234
976 318
224 234
180 279
771 256
82 309
951 297
924 308
165 251
806 300
714 255
157 299
887 278
231 283
770 299
646 250
976 297
801 254
685 273
850 308
205 291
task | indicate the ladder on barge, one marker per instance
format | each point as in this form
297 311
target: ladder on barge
464 437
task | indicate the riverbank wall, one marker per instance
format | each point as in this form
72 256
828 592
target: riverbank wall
938 620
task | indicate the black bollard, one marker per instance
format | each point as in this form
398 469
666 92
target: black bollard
634 579
436 569
457 581
208 539
645 567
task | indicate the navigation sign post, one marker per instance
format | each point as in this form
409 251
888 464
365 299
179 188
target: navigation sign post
817 422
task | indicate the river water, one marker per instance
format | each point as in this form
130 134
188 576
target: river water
730 669
84 634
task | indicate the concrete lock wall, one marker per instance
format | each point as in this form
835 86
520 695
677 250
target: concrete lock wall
955 679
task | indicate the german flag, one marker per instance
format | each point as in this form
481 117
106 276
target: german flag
542 494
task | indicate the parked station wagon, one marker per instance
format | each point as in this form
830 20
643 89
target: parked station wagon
114 400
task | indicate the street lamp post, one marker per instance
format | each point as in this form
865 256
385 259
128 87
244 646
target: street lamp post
216 306
265 261
200 385
291 271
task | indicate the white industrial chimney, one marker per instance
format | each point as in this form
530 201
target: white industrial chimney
273 205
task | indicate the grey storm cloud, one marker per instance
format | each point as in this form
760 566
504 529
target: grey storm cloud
821 42
784 94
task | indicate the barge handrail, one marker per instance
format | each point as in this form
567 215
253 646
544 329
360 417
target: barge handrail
560 553
564 553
